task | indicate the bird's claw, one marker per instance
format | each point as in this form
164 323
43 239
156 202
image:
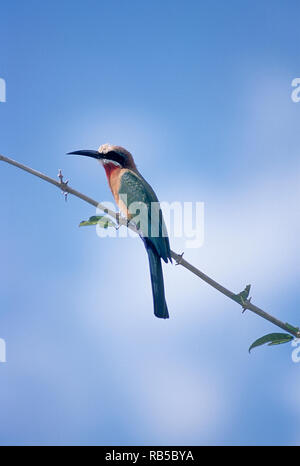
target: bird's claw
118 221
121 220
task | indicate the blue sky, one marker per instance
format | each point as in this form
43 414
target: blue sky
200 93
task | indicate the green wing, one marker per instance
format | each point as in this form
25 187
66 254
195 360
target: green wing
142 202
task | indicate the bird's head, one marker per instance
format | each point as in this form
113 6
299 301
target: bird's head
108 153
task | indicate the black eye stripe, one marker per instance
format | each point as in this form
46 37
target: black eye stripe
116 157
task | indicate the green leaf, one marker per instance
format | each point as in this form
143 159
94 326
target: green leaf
272 339
100 220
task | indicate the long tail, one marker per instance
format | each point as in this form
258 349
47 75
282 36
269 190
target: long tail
157 282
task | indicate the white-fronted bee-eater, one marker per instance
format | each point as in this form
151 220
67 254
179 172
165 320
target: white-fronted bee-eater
129 189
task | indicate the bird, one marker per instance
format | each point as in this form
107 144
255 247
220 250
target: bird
130 188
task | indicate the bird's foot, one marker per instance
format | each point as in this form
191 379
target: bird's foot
118 220
121 220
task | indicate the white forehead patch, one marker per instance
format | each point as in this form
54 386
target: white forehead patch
105 148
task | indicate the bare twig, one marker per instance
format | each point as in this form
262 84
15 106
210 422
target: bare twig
245 303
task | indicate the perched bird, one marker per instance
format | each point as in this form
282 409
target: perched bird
128 187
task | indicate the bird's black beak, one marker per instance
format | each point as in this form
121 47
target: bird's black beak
89 153
111 155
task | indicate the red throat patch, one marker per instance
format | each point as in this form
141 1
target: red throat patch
110 168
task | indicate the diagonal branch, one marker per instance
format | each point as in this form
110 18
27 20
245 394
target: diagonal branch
238 298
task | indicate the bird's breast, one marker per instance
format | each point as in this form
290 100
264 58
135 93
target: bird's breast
114 175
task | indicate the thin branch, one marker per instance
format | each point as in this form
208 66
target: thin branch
237 298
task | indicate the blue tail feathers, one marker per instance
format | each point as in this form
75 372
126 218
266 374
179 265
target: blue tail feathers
157 282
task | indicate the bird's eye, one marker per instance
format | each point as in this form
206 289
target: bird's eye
116 157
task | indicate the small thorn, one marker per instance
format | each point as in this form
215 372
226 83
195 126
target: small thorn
179 261
63 184
244 307
60 175
243 304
